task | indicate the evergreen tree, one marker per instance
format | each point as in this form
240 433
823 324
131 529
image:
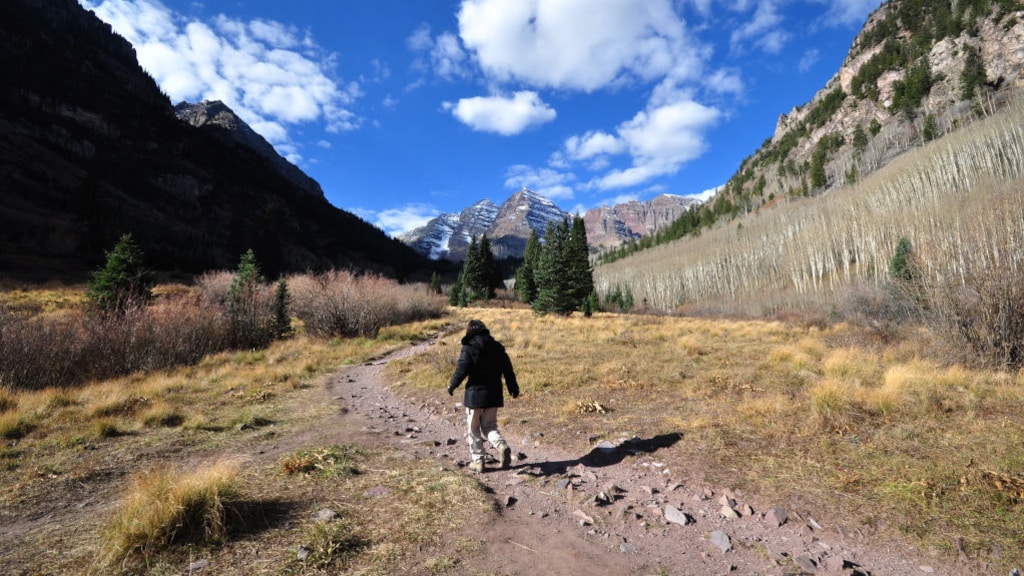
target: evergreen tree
248 325
490 276
901 265
472 270
123 282
435 283
577 262
974 75
526 283
282 320
457 295
554 292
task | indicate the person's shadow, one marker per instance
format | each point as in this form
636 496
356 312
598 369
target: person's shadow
606 455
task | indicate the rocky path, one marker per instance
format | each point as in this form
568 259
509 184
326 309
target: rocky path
616 509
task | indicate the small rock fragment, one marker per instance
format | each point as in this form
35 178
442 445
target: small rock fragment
721 539
806 563
674 515
325 515
729 513
776 516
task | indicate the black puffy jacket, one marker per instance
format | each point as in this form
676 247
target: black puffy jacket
484 360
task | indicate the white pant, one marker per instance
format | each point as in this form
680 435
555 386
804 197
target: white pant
482 424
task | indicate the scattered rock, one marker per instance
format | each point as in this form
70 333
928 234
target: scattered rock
303 553
776 516
729 513
722 540
834 563
606 446
806 563
674 515
197 566
325 515
563 483
583 518
927 569
627 548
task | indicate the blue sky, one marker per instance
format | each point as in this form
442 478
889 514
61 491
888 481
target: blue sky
406 109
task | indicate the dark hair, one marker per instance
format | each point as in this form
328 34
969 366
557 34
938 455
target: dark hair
475 326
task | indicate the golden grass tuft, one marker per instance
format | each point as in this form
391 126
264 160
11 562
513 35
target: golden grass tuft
8 401
164 507
14 425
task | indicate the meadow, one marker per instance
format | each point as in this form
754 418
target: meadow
822 418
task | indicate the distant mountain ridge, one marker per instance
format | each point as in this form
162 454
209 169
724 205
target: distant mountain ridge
508 226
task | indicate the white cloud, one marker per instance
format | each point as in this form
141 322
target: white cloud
660 141
764 29
500 114
808 60
592 144
272 75
724 81
395 221
446 57
575 44
849 12
552 184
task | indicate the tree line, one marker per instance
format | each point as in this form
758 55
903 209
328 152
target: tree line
555 277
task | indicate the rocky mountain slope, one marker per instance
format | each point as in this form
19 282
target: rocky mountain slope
90 149
610 226
508 226
918 70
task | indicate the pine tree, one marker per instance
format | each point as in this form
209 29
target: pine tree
473 273
435 283
282 320
577 263
554 289
489 274
249 327
526 283
457 294
124 282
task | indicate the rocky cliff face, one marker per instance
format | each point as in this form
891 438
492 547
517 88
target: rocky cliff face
906 80
221 121
90 149
608 227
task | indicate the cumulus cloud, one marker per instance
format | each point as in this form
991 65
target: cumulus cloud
395 221
272 75
660 141
574 44
501 114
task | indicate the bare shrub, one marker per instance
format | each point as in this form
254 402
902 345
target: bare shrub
339 303
75 347
983 319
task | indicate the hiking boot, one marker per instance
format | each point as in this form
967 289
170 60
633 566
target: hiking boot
506 455
477 466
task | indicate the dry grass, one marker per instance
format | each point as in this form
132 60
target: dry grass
164 507
779 410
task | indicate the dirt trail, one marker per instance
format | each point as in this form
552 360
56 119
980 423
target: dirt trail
603 512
